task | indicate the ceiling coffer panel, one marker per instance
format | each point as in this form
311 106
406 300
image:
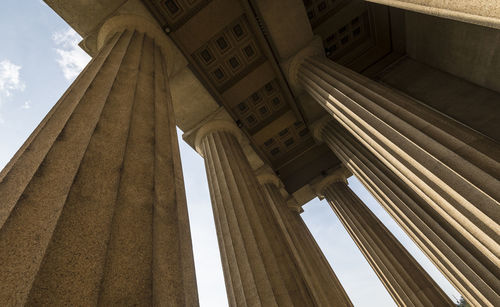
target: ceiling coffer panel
172 14
229 55
261 107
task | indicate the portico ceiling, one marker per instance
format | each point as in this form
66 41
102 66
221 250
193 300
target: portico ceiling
228 51
235 50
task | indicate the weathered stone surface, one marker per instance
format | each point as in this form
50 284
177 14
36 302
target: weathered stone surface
259 268
436 238
403 277
324 285
93 207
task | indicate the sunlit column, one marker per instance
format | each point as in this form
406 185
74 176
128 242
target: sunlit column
92 207
403 277
320 278
452 168
413 213
259 268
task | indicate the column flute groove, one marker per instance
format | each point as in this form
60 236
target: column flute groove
97 223
411 212
450 167
258 266
324 285
404 278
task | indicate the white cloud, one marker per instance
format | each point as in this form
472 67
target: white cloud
9 78
10 82
71 57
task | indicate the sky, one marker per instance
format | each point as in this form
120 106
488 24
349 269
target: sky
39 58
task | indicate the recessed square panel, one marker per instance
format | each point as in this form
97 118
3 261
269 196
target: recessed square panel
250 51
269 88
263 110
283 132
269 142
172 7
238 31
206 56
234 62
256 97
219 74
251 120
234 48
242 107
222 44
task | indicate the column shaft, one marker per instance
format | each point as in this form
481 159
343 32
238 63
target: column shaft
413 214
451 167
93 208
258 265
404 278
324 284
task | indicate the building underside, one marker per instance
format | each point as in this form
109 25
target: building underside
284 99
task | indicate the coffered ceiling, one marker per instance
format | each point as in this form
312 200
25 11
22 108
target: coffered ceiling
228 52
226 47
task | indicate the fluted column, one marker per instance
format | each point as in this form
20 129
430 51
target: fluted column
259 268
411 212
322 281
403 277
453 168
93 210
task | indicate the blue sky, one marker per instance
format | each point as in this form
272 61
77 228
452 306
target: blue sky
39 58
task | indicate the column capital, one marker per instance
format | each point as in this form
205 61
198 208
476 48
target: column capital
291 65
317 127
174 58
265 175
294 205
338 175
219 120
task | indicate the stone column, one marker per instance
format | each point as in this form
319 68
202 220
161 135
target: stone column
403 277
259 268
320 278
93 210
451 167
417 218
